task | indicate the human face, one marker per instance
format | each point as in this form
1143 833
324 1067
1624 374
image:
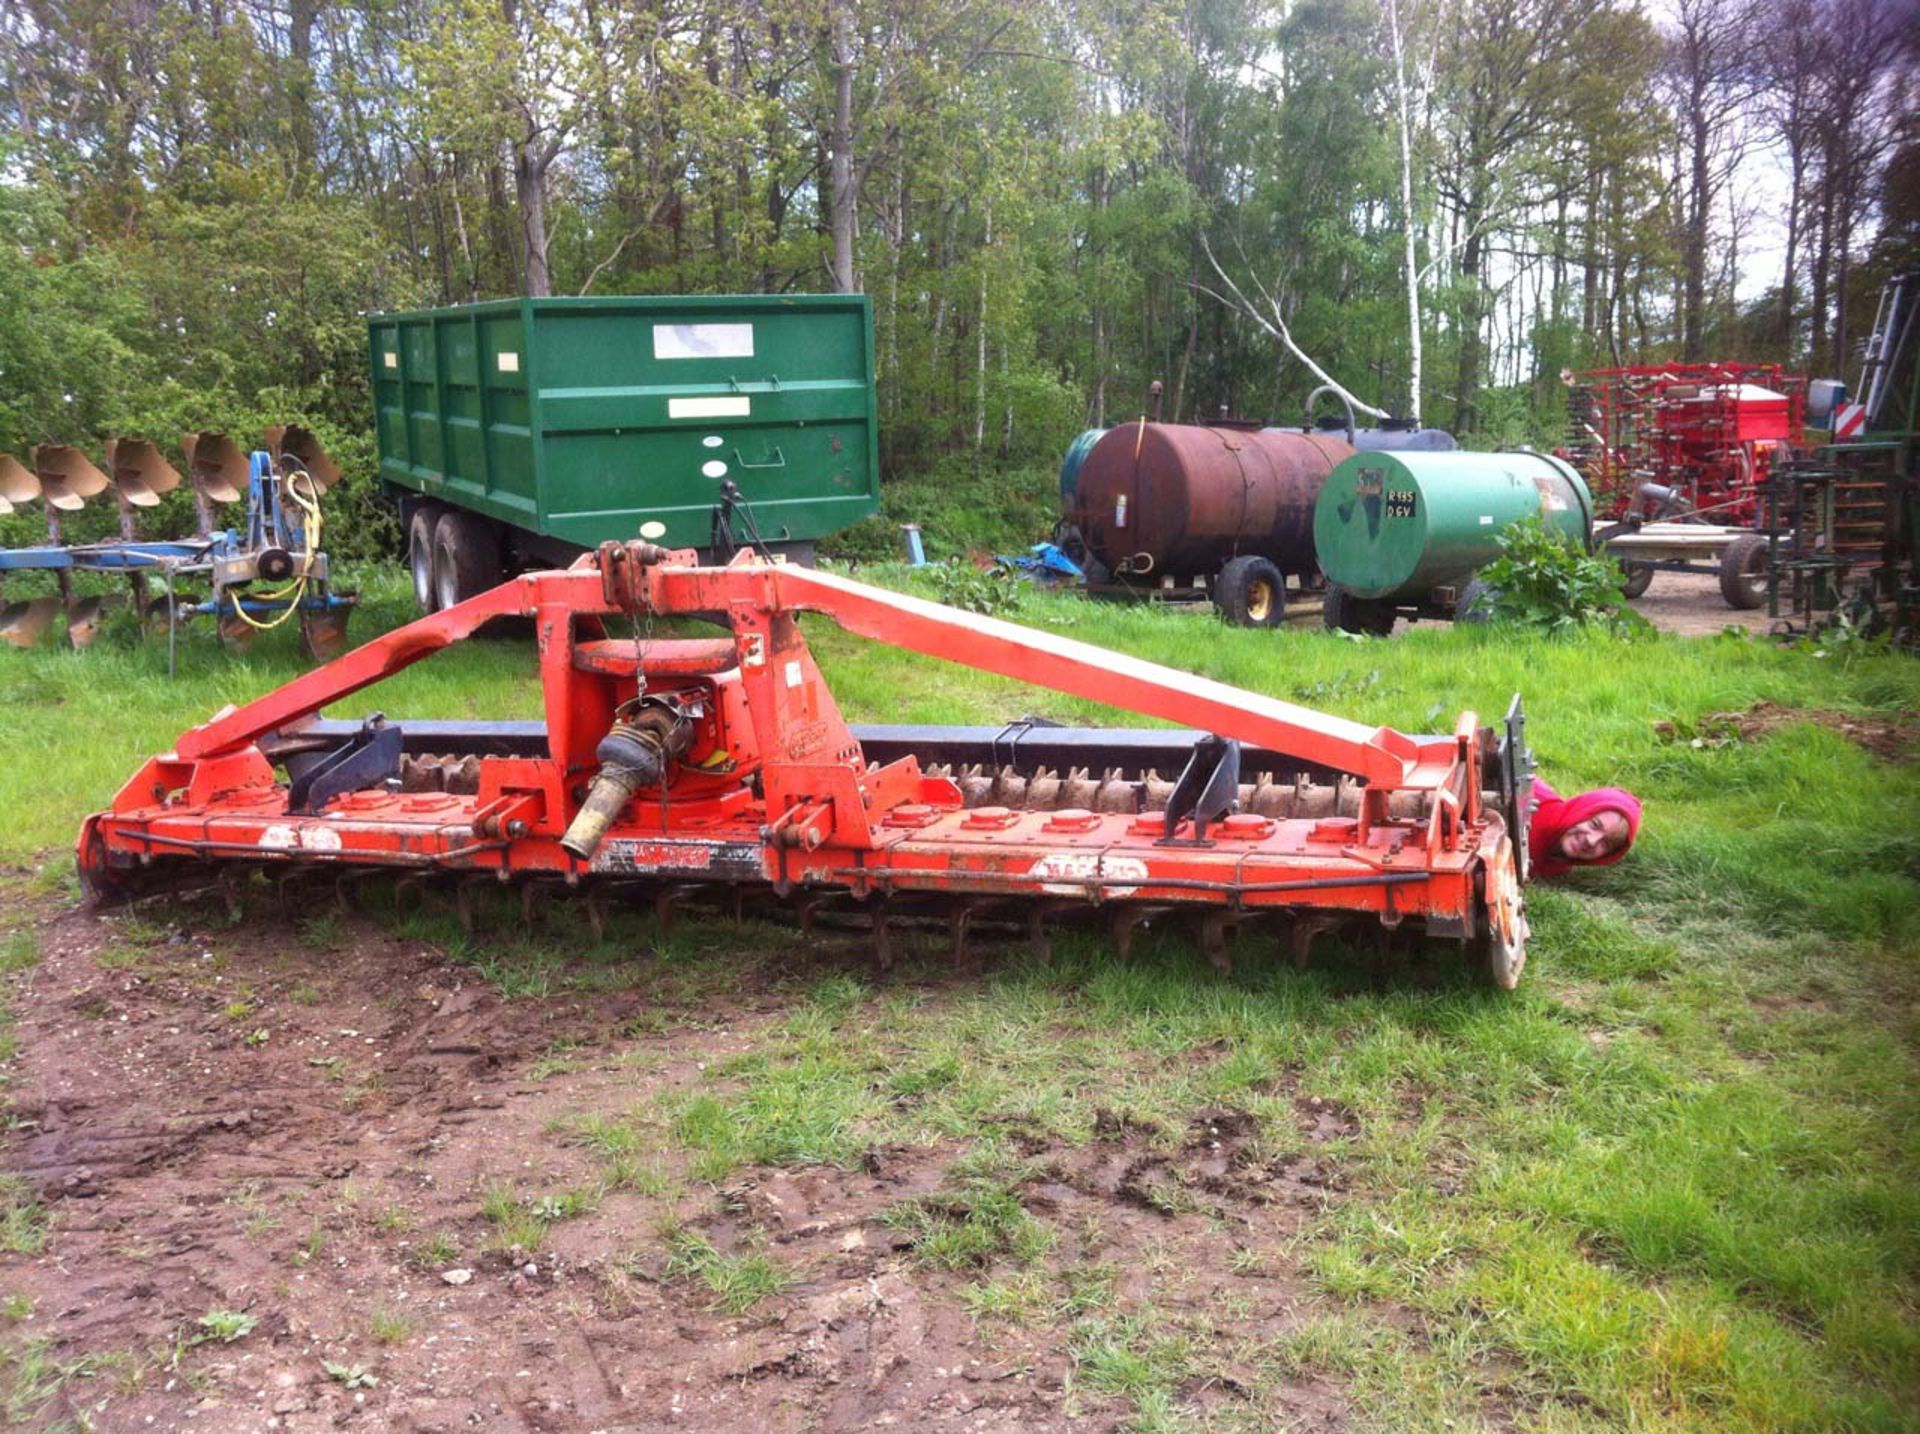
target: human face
1599 836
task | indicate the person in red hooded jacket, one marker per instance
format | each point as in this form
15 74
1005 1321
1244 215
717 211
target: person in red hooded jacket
1592 829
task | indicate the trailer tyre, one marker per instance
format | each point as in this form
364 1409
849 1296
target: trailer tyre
466 557
1743 572
420 555
1343 612
1251 592
1639 579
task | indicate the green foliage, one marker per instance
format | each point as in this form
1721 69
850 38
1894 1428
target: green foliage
353 1376
989 591
23 1219
737 1281
1543 580
970 1227
227 1325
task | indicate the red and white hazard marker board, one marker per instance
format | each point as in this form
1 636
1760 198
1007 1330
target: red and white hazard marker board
1849 419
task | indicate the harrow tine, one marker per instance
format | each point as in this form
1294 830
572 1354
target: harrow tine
959 921
533 905
232 878
1037 941
1304 929
667 901
405 888
597 913
1216 929
465 907
1125 918
882 937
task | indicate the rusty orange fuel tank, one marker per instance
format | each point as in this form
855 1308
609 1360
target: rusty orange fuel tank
1170 499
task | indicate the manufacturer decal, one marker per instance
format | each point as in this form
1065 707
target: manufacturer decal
641 856
1071 873
803 741
283 836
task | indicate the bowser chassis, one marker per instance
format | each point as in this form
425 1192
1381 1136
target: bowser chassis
674 766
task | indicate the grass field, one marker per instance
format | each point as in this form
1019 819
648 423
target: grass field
1673 1181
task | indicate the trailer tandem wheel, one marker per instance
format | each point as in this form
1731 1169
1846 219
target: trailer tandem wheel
420 555
466 556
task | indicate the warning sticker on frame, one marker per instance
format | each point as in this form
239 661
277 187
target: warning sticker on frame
646 856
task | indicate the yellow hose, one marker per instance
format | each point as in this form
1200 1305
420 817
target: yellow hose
296 589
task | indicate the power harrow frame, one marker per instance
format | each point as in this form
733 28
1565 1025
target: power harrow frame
675 764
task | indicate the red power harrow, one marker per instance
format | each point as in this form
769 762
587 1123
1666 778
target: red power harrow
679 766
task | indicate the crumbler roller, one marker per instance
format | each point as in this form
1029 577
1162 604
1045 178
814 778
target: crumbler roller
676 767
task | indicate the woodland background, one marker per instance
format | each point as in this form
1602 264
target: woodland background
203 197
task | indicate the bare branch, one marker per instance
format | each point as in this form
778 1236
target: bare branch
1277 326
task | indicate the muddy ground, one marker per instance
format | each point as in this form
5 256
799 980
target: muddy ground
225 1119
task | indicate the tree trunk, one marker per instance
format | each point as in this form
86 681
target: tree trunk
1783 324
530 166
1694 267
1098 413
1822 258
1472 321
980 361
1590 260
840 203
1843 266
1186 353
897 236
1407 217
301 17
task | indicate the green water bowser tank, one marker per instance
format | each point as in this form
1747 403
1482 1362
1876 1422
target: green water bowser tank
1400 524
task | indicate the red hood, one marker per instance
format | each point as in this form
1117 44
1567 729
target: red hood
1553 814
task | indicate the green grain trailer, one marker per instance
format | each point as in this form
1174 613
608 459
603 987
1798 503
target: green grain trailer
518 433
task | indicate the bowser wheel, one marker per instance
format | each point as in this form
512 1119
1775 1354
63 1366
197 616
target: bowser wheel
1639 579
1502 942
1251 592
1743 572
1343 612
